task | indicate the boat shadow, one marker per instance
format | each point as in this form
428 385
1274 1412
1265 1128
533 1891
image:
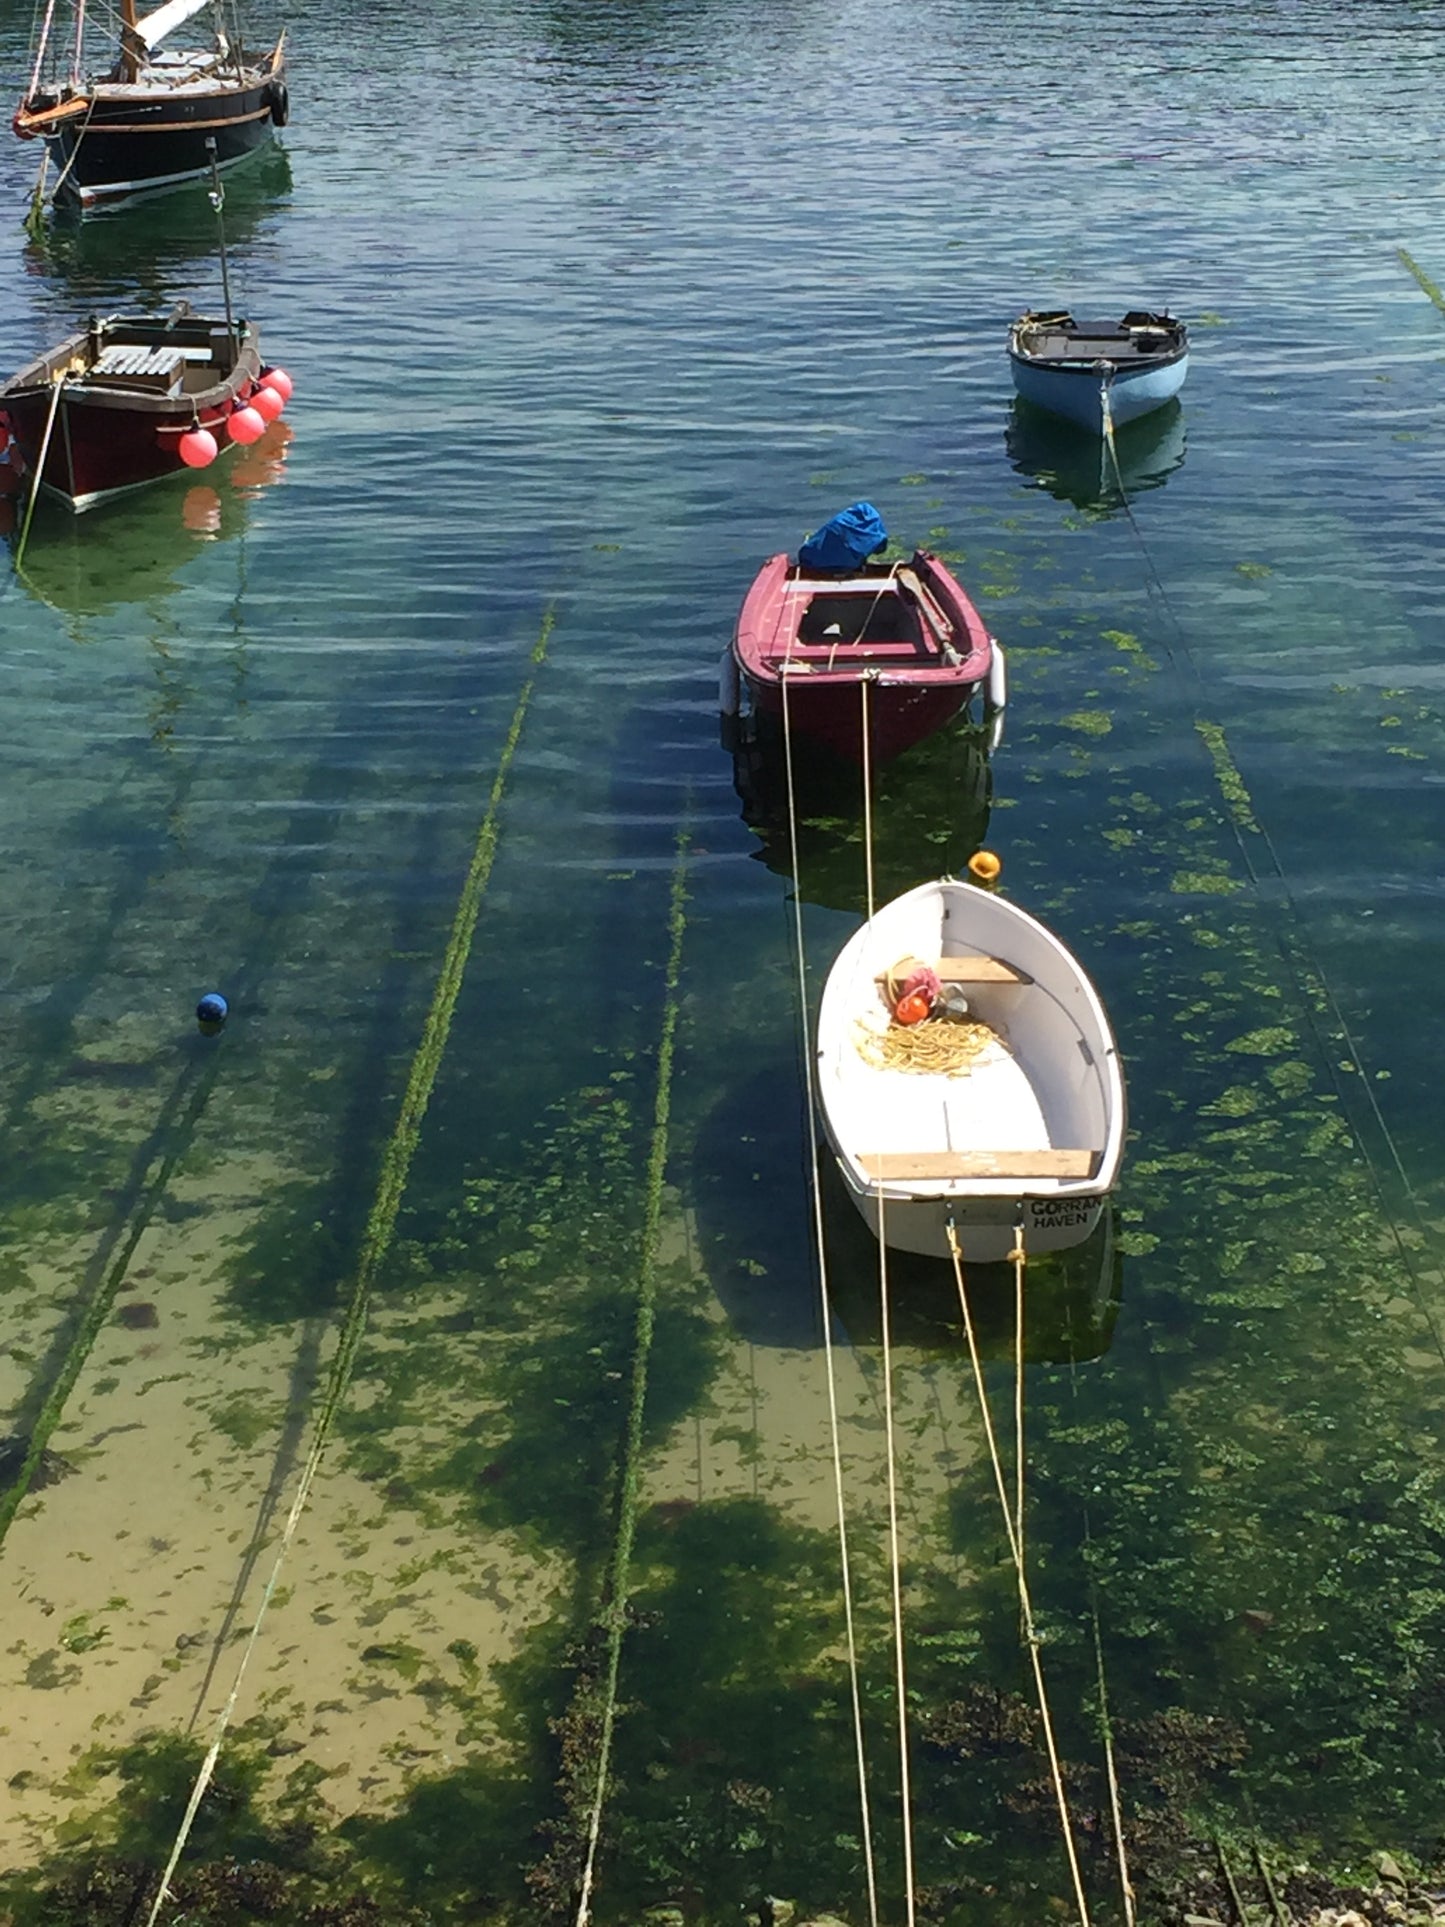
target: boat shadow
753 1213
930 813
133 550
1074 466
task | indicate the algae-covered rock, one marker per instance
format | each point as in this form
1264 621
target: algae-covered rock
777 1913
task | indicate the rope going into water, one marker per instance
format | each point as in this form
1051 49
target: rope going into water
1293 942
59 378
826 1315
1015 1546
895 1563
615 1612
1106 1725
381 1223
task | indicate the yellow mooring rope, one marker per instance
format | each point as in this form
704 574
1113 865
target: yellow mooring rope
1015 1545
615 1612
895 1564
380 1225
826 1313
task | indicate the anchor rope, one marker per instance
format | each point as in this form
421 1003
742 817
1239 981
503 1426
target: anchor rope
895 1562
826 1316
1293 943
1026 1610
1106 1725
59 377
381 1223
615 1612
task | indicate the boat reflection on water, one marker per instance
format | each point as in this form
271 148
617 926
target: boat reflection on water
930 813
145 254
1074 465
133 550
1071 1298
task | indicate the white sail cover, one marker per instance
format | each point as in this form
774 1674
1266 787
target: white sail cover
153 27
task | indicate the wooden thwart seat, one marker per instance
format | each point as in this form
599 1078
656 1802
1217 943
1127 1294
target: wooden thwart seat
1043 1163
976 970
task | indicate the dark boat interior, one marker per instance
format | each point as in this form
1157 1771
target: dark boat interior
840 615
1059 337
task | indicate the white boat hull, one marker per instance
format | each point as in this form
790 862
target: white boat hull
986 1228
1031 1134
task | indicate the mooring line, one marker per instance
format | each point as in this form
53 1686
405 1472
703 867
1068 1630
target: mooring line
615 1611
895 1563
176 1140
1031 1637
381 1223
1106 1724
1427 285
826 1314
1303 963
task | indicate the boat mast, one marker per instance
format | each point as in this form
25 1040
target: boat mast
130 41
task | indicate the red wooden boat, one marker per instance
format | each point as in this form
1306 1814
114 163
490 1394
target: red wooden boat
905 630
123 393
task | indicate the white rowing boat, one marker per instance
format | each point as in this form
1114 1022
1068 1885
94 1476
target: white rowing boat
1030 1131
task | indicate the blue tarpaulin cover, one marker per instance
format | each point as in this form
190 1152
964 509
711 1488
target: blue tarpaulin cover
848 539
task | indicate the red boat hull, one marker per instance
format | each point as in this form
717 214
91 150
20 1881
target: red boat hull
108 439
898 715
895 653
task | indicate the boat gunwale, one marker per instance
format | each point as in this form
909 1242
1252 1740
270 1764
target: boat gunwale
1088 365
783 658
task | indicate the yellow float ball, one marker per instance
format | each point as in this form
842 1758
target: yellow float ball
985 866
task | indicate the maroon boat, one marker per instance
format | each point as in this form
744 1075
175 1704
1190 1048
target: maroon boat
905 630
110 405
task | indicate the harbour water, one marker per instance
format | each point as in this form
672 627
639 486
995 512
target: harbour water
589 309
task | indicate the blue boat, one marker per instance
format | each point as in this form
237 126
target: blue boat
1068 366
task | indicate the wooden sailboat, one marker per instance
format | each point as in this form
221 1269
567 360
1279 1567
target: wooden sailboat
154 116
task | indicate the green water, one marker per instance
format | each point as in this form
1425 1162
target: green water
648 295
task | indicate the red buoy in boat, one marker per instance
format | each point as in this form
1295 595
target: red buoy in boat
913 1008
268 402
244 425
197 448
278 379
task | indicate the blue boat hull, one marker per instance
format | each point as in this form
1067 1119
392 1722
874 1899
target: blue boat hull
1073 390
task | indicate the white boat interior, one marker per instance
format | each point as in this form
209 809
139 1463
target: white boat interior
1038 1113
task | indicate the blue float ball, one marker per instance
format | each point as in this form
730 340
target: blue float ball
212 1009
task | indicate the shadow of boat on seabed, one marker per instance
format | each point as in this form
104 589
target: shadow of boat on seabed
930 813
1074 465
135 549
751 1195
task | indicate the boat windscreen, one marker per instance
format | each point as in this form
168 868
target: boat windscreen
152 28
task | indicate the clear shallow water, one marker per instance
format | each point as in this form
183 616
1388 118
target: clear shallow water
688 280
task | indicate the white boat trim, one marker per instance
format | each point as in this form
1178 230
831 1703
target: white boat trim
107 190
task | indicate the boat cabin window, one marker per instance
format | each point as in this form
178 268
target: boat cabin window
831 620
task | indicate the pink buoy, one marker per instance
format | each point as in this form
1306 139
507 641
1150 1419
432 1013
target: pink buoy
197 448
244 425
268 403
278 379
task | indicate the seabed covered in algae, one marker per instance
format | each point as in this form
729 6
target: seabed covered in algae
1254 1530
